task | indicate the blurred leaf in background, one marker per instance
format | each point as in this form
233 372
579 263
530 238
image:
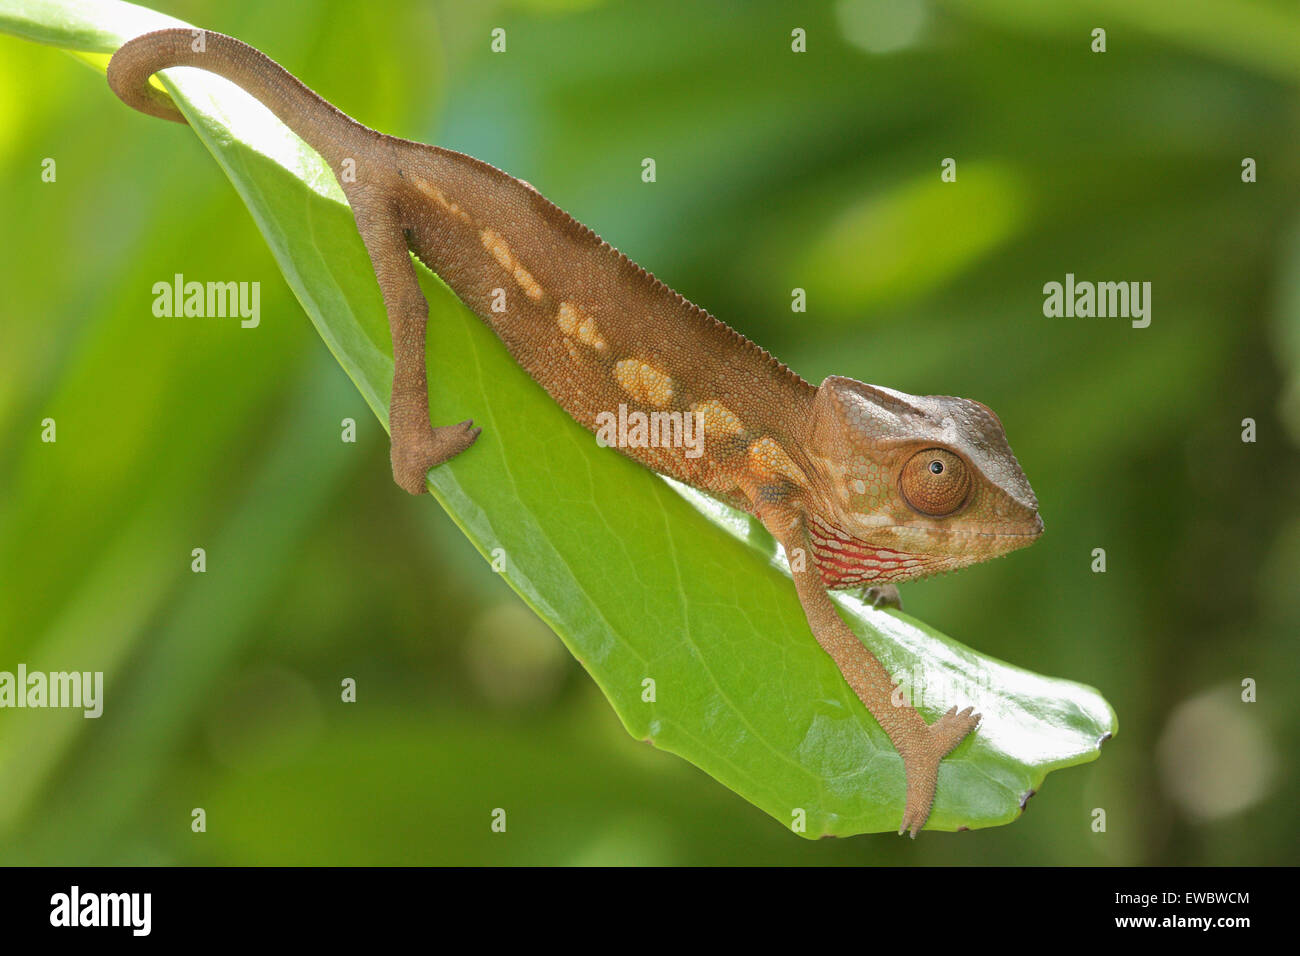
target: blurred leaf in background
777 171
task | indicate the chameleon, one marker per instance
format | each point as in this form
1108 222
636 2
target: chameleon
863 486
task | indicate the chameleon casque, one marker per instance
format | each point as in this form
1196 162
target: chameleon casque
861 485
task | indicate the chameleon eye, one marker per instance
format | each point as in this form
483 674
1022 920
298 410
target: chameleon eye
935 482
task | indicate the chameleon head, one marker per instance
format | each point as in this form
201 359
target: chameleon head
907 486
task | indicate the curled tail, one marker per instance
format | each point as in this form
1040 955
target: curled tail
328 130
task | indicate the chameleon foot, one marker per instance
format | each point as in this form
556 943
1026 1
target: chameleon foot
883 595
921 764
413 458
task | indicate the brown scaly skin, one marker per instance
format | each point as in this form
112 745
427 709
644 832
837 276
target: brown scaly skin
863 486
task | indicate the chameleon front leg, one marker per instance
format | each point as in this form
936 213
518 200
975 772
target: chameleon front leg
416 446
881 595
921 745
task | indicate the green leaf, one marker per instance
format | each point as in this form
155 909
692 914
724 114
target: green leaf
641 579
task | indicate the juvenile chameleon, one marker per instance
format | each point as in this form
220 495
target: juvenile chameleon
861 485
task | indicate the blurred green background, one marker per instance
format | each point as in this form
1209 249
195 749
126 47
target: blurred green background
775 170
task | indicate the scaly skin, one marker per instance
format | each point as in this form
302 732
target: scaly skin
863 486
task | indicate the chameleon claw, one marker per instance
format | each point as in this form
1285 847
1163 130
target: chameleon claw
883 595
951 729
921 763
912 822
412 459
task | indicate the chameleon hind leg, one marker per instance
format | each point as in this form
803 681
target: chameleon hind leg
416 446
922 746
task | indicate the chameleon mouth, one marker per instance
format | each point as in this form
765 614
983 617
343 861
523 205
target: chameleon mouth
1033 534
1029 536
845 560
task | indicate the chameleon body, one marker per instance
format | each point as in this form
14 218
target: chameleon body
861 485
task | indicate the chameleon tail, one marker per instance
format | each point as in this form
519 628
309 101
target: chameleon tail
316 121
